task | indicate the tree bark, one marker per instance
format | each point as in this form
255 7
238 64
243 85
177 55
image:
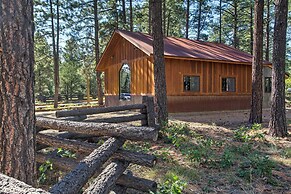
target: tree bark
91 111
137 183
12 185
251 27
187 18
106 180
55 52
97 54
278 125
164 19
159 62
100 129
268 19
121 119
77 178
220 21
257 66
17 133
83 147
199 19
123 12
130 16
235 26
62 163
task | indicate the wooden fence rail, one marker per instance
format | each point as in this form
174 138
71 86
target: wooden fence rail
107 162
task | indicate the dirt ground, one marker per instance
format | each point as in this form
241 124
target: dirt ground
218 126
222 118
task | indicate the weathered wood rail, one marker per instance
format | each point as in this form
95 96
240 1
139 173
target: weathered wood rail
106 162
146 116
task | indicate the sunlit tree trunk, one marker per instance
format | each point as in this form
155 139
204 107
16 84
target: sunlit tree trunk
159 62
17 128
257 66
278 126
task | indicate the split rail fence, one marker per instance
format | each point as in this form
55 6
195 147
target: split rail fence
107 162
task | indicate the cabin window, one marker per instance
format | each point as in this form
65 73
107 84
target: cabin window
192 83
124 82
268 84
228 84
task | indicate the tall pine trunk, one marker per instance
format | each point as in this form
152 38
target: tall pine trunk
199 19
268 19
220 21
150 20
55 41
159 61
187 18
278 126
17 133
257 66
235 25
130 16
164 21
251 27
123 13
98 74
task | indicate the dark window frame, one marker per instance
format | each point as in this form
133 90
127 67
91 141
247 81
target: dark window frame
227 88
268 88
184 85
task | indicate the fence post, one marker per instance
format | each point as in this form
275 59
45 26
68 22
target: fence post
150 111
144 122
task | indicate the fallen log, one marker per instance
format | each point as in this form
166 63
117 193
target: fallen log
140 184
127 180
118 189
87 148
100 129
77 178
73 145
11 185
63 163
75 118
108 177
91 111
119 119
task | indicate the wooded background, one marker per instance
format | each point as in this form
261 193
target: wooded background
71 34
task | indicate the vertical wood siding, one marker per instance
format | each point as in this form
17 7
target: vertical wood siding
142 77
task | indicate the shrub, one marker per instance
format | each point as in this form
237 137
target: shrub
43 170
256 166
173 185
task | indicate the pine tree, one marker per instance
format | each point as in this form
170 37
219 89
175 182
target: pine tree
159 61
277 124
17 128
257 66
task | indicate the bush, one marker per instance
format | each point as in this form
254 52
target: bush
173 185
256 166
246 134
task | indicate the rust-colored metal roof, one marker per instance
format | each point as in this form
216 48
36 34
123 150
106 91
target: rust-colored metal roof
185 48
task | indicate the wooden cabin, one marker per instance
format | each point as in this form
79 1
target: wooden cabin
200 76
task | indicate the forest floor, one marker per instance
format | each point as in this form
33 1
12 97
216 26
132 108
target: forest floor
217 152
